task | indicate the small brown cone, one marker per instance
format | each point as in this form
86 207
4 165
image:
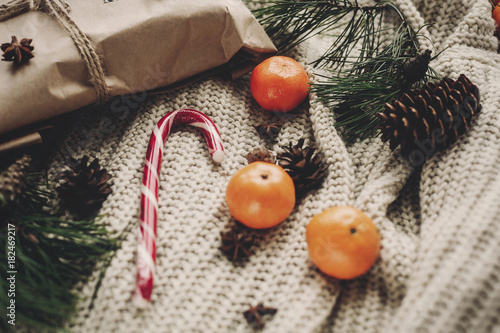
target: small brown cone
13 180
415 69
85 186
305 165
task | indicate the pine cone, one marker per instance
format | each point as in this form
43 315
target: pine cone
429 119
85 187
304 165
415 69
13 180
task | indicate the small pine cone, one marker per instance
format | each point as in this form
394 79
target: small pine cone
305 166
415 69
85 186
260 154
13 180
431 118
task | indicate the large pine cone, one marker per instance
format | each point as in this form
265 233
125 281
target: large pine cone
13 180
426 120
305 166
86 186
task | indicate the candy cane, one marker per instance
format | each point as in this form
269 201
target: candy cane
146 251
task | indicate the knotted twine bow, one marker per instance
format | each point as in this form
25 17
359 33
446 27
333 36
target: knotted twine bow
59 10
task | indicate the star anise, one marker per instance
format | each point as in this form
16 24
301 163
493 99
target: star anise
255 313
268 131
236 245
16 51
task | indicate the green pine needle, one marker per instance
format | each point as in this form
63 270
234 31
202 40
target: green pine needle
358 95
364 69
52 255
290 23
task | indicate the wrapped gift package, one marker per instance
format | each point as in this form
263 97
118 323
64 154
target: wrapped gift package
86 52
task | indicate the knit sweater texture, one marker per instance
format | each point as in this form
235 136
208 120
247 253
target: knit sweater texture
439 266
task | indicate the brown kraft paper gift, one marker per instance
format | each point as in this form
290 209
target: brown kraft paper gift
88 51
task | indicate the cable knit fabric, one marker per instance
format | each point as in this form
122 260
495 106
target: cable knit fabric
439 267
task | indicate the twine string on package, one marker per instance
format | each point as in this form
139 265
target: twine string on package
102 50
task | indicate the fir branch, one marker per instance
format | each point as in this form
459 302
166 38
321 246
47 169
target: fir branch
365 69
290 23
35 196
63 254
52 255
362 92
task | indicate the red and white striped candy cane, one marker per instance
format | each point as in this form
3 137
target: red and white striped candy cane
146 251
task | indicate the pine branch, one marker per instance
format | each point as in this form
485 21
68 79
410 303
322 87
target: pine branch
290 23
368 63
52 255
358 95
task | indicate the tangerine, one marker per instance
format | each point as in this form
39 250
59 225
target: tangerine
279 84
496 15
260 195
343 242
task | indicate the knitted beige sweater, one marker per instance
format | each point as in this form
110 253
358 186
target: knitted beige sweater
439 267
